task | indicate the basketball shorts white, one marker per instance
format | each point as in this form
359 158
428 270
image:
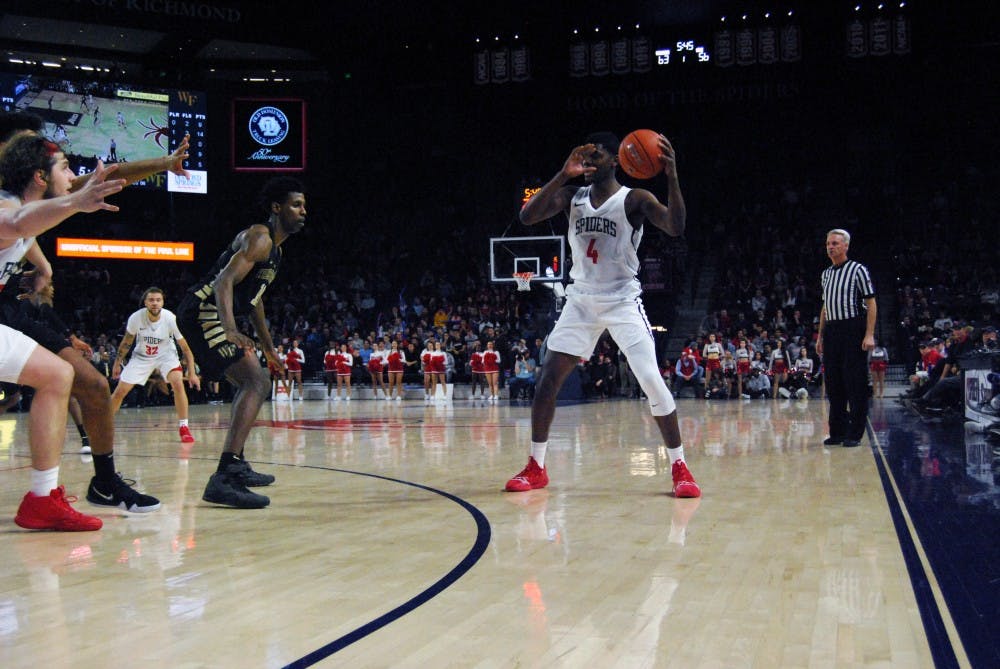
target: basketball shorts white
15 349
585 317
139 369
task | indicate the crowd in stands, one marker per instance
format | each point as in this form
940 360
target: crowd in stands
329 295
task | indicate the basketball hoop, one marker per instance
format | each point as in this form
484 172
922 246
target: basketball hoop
523 280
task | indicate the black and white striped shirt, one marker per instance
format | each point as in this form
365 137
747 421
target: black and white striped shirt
845 287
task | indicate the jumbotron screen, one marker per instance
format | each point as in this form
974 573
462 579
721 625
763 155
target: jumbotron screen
116 122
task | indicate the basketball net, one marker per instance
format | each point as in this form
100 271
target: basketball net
523 280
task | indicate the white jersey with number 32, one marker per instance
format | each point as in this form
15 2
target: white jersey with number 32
604 246
154 339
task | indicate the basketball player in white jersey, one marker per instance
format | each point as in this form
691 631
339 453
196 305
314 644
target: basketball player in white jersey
605 227
22 361
154 330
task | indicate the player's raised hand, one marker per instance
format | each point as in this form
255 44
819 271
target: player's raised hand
667 156
91 196
576 164
177 158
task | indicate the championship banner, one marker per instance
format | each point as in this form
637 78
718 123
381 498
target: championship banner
746 49
123 249
500 65
481 67
791 43
725 54
621 56
268 134
579 60
520 63
879 37
600 61
857 44
900 35
642 54
767 44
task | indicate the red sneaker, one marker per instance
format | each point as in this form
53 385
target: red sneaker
54 513
186 437
530 478
684 483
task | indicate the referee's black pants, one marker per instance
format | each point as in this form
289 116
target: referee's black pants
845 371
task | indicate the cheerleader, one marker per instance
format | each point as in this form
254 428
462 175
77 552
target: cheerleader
344 362
478 376
376 364
281 374
330 369
294 358
438 364
878 362
742 357
425 365
711 353
396 360
491 370
777 367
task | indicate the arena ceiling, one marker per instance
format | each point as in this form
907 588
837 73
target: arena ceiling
231 38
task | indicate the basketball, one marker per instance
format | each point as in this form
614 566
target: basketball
639 154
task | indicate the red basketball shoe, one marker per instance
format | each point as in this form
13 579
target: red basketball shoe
529 478
54 513
684 483
186 437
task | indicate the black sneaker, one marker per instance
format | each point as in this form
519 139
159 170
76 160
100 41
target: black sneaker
833 441
228 488
120 494
851 443
253 479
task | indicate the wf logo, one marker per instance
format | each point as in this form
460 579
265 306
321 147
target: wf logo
187 98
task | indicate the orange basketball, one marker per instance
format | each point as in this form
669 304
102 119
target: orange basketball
639 154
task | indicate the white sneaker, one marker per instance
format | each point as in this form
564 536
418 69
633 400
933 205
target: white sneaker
336 398
398 398
744 396
347 399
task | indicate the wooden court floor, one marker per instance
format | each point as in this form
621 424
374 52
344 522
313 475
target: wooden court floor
389 543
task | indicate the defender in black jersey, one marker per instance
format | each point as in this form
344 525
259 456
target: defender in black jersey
234 287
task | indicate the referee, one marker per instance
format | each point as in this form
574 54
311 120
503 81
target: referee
846 334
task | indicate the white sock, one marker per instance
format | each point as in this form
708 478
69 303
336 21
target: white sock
676 454
538 452
44 481
182 422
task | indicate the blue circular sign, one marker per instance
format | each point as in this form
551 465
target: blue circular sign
268 126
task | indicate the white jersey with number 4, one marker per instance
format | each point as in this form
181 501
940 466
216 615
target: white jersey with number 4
154 339
604 247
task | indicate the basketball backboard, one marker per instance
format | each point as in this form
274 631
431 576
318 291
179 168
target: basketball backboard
545 257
